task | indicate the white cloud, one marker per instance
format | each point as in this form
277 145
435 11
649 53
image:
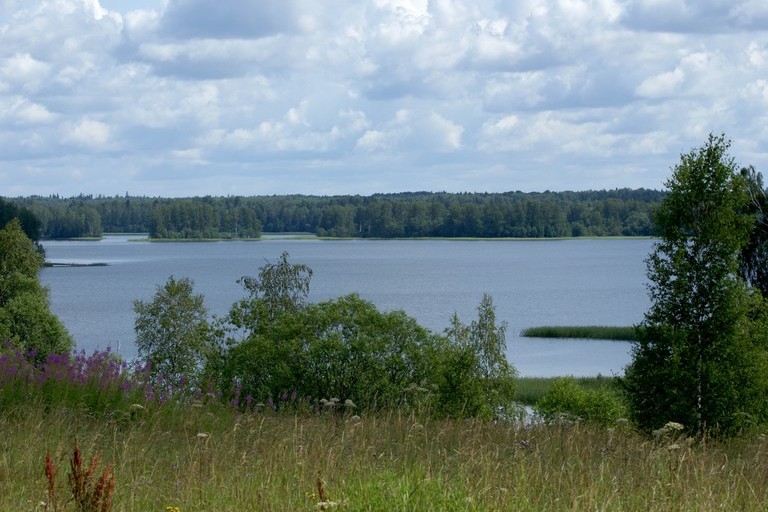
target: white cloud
448 134
89 133
20 110
24 71
440 91
664 84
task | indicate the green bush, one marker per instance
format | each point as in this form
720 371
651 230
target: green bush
603 406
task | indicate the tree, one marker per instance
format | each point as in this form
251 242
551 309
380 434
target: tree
25 316
279 287
30 224
698 361
754 256
172 332
477 377
343 348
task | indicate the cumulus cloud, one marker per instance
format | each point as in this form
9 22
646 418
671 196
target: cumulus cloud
374 96
89 133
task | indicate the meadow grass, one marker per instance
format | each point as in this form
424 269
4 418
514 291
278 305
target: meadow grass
596 332
212 458
193 453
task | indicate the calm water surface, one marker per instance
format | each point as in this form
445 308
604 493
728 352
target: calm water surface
547 282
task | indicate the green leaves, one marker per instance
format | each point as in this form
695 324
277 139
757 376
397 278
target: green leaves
691 346
25 316
172 332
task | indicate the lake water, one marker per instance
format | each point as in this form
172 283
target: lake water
546 282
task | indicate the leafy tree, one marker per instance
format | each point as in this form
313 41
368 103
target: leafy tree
698 360
30 224
172 332
279 287
348 349
343 348
25 316
477 378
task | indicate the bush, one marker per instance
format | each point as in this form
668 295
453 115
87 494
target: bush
603 406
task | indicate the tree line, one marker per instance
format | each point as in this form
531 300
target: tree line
620 212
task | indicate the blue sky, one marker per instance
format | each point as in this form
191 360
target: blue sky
196 97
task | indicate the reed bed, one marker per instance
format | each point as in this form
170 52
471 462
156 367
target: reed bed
212 458
595 332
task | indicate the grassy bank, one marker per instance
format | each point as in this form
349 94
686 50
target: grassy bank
198 459
595 332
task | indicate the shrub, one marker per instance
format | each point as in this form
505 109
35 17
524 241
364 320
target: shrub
603 406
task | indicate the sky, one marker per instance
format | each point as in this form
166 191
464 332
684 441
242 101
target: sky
183 98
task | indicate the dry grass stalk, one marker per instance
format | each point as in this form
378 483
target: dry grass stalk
50 475
90 495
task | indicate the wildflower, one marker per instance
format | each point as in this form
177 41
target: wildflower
203 435
673 446
136 407
349 404
673 425
172 509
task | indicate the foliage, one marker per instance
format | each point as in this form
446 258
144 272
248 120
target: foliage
173 333
566 397
693 363
529 390
25 316
30 224
338 348
202 219
476 377
347 349
280 287
414 214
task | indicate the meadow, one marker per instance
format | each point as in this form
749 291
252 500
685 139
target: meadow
212 458
159 450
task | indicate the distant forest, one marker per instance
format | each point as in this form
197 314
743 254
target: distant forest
617 212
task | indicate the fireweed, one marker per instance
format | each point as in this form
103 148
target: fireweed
98 382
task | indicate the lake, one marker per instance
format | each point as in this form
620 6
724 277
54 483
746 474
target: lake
533 283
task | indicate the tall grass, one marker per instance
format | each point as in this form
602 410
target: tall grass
200 456
215 459
597 332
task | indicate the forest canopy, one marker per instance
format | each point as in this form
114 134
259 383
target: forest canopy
619 212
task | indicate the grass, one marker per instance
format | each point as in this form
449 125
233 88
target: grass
158 452
595 332
214 459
